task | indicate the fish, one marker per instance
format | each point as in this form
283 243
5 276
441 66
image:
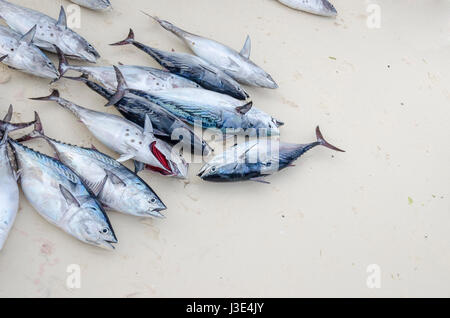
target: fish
256 159
210 109
318 7
138 77
60 197
191 67
236 64
166 126
126 138
98 5
9 190
49 32
115 186
18 52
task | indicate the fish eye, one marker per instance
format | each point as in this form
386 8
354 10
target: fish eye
213 169
269 164
105 231
153 200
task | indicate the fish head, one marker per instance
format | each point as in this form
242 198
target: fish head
147 203
261 78
75 46
261 124
102 5
92 226
328 9
30 58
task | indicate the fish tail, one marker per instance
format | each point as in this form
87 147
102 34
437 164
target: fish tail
7 127
8 116
129 39
323 142
63 66
38 131
54 96
121 90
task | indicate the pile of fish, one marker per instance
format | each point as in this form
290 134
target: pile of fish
158 108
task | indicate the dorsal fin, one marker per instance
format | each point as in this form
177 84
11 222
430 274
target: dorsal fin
148 127
62 20
245 52
29 36
8 116
244 108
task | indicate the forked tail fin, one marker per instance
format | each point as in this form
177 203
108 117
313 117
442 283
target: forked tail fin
38 131
122 88
129 39
323 142
54 96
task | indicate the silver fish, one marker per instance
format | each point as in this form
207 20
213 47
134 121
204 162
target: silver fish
211 109
191 67
9 191
236 64
115 186
60 196
18 52
319 7
49 32
99 5
256 159
127 139
138 77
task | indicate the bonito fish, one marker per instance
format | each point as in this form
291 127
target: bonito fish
236 64
18 52
9 191
208 108
115 186
319 7
138 77
127 139
49 32
60 196
165 125
255 159
99 5
191 67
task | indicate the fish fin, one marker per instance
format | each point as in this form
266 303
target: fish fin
260 180
148 127
2 58
242 156
62 19
323 142
125 157
38 131
63 66
114 178
17 174
121 90
8 116
233 66
207 68
245 52
120 63
244 108
128 40
29 36
97 188
70 199
94 148
138 166
54 96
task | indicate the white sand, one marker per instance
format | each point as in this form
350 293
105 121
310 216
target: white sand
383 96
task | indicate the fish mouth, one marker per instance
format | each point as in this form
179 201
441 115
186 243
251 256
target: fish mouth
156 213
330 10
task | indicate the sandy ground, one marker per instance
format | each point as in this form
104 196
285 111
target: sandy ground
380 93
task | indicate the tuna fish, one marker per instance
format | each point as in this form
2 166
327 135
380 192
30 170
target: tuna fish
115 186
191 67
49 32
319 7
210 109
138 77
127 139
235 64
18 52
60 196
99 5
255 159
166 126
9 191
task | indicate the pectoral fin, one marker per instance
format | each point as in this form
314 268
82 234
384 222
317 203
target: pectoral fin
125 157
114 179
245 52
260 180
70 199
148 127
